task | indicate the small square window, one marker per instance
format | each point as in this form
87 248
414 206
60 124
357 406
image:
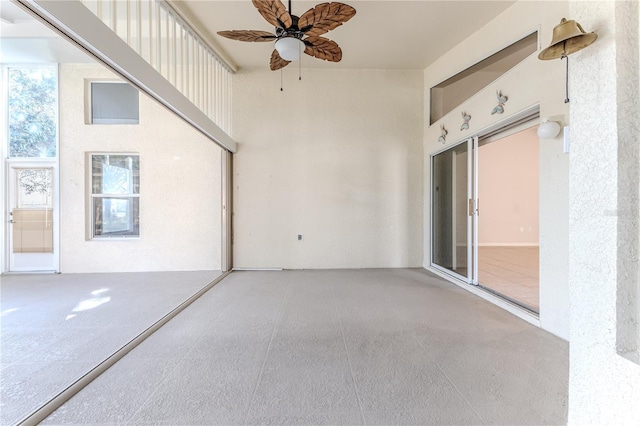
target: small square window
115 195
114 103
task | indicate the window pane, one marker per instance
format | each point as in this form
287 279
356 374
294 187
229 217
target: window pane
116 174
452 92
116 217
34 188
32 112
114 103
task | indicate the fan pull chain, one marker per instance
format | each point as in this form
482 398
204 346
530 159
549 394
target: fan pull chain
281 80
300 65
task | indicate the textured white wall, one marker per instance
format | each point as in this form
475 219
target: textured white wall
531 82
180 219
336 157
604 386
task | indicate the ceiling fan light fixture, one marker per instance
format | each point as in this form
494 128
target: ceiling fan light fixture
290 48
293 34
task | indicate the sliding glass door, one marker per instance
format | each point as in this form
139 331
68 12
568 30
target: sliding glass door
452 210
497 251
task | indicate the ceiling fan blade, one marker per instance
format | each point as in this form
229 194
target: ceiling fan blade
277 62
248 35
274 12
322 48
325 17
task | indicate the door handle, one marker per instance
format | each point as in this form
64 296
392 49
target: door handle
474 207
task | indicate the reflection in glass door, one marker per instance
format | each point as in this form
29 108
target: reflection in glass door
451 208
31 219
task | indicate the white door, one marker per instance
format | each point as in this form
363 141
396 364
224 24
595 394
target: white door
32 242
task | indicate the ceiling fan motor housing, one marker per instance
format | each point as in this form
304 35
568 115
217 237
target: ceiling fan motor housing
292 31
289 41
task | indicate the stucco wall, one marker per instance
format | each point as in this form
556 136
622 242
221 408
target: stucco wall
180 219
604 381
531 82
336 157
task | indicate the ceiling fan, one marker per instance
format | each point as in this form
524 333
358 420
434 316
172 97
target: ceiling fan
294 34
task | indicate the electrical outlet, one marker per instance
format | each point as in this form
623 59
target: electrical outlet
299 237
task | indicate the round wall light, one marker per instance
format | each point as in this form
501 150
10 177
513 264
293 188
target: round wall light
548 130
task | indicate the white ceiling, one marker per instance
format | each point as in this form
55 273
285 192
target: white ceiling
26 40
383 34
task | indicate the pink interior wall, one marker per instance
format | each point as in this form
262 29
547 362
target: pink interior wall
508 172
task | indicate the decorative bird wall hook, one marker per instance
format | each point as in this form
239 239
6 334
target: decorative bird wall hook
465 125
499 109
443 134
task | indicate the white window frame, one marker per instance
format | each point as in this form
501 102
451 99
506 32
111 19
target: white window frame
88 109
6 162
91 235
5 109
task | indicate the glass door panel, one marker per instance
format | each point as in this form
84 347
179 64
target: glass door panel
451 223
31 231
508 242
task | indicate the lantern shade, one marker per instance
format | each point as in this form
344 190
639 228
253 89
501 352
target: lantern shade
289 48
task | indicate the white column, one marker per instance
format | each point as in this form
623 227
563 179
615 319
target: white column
604 384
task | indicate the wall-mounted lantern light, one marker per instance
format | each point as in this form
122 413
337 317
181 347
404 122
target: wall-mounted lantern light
548 129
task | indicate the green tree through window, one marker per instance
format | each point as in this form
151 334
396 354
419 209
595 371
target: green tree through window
32 112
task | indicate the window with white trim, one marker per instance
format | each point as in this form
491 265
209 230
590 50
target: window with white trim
113 102
115 195
32 111
451 93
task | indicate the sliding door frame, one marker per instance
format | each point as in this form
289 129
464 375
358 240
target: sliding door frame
516 120
469 265
226 261
474 203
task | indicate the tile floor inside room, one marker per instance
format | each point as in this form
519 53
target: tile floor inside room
397 346
511 271
56 327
